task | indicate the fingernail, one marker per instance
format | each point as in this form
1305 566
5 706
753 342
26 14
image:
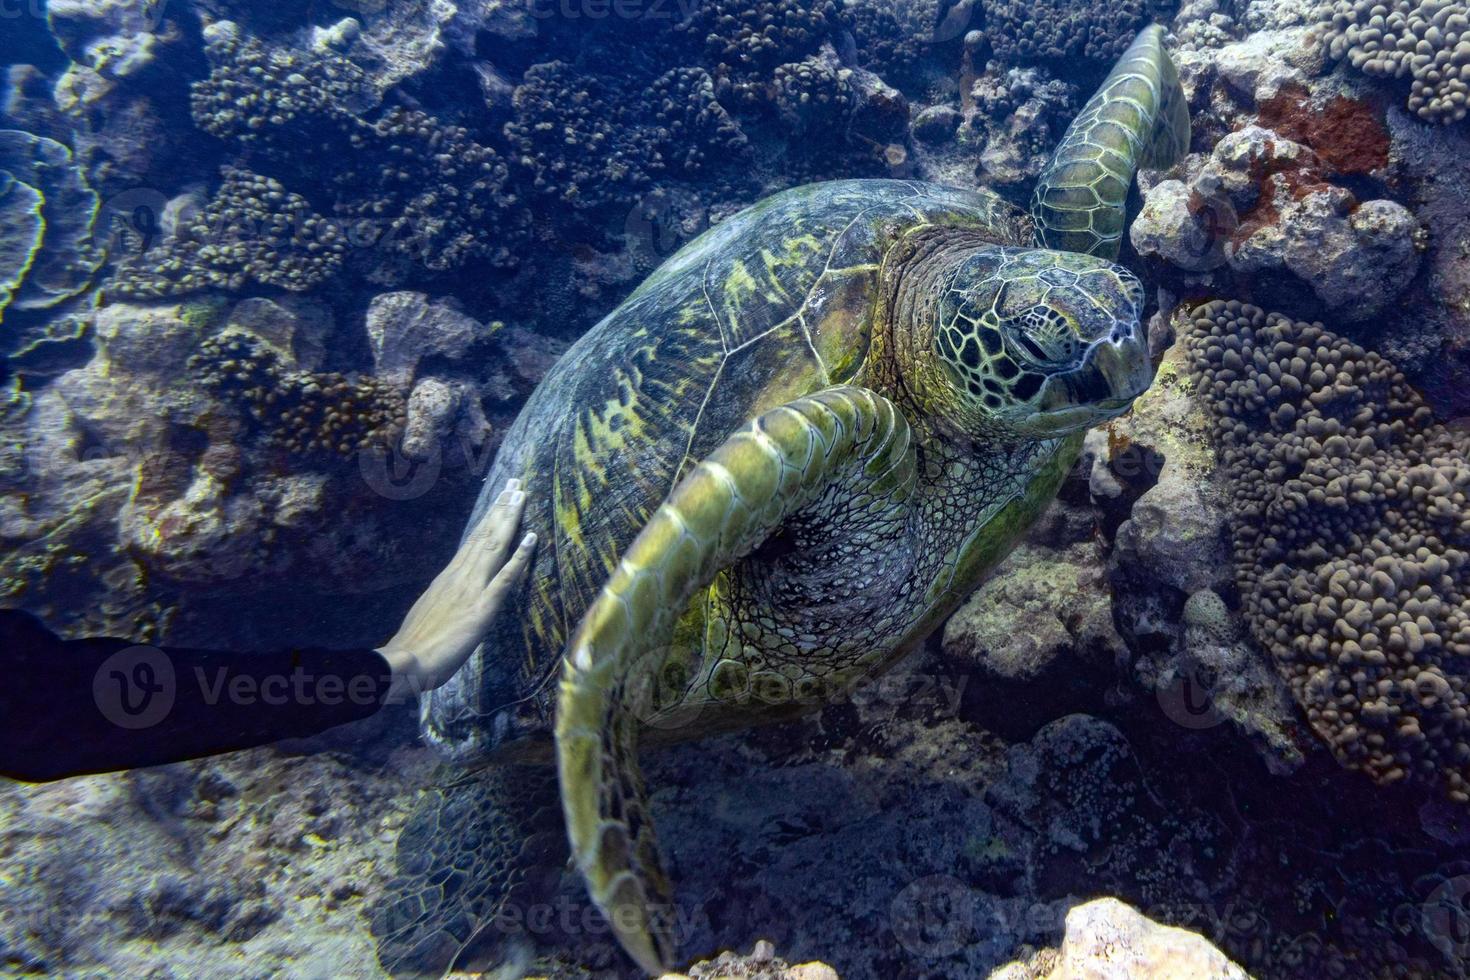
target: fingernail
529 541
518 497
504 497
512 485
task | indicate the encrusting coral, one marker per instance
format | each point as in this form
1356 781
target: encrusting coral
21 230
1351 514
1427 41
304 413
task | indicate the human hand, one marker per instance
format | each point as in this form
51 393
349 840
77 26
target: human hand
450 618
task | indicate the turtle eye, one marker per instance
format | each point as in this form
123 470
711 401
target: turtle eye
1047 336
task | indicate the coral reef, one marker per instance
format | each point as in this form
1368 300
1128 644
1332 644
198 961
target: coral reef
252 232
812 95
1351 529
1264 207
693 130
427 192
1427 41
1019 115
574 145
744 37
761 964
303 413
1105 716
1059 30
50 210
1106 939
910 42
274 99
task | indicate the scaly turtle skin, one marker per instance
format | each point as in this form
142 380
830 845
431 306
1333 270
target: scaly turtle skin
769 474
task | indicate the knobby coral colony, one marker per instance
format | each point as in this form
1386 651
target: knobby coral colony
744 37
412 186
1058 30
252 232
1351 514
1427 41
303 413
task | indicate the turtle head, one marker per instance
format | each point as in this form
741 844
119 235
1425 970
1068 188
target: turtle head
1044 342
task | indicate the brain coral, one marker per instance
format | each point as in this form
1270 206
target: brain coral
1427 41
1351 510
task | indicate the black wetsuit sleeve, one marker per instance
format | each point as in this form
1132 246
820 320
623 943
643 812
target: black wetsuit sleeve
68 708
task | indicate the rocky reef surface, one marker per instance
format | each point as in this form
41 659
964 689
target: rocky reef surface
274 278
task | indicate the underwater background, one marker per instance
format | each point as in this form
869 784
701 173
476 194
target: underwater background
276 278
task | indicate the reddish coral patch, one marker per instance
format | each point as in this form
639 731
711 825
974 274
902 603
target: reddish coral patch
1347 134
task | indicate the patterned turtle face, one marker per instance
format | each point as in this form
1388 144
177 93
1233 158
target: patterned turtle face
1048 342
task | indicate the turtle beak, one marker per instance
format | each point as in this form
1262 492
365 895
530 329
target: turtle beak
1125 367
1111 376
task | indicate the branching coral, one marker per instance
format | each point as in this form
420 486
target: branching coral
307 414
1351 510
1427 41
1059 30
252 232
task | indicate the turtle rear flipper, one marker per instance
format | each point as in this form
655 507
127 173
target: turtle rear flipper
1139 117
842 456
476 847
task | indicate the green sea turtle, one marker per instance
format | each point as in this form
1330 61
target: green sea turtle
769 474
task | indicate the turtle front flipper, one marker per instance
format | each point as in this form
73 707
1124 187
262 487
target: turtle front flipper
829 455
476 847
1138 118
